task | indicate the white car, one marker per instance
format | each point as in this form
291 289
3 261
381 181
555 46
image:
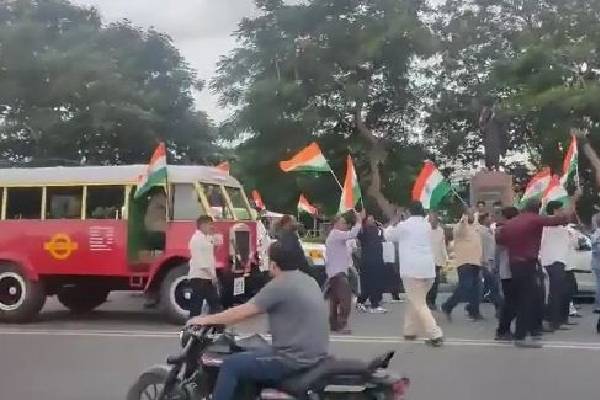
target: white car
582 261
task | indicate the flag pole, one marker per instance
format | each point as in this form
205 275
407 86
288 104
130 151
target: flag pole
336 180
455 193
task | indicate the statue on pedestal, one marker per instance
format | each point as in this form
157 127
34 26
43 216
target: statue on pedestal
494 137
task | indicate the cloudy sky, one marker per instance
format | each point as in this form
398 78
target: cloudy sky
200 29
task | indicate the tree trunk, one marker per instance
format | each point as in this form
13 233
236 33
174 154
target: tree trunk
377 156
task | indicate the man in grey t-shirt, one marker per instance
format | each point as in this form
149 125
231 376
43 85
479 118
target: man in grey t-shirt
298 320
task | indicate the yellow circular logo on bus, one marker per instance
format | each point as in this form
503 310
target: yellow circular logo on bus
60 246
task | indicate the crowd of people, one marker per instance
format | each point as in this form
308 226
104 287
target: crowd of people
521 261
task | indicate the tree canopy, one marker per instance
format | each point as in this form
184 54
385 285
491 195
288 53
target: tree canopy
391 82
339 71
75 90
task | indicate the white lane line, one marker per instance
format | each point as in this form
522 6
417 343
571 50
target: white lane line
458 342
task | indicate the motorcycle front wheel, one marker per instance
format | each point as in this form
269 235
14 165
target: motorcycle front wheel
151 385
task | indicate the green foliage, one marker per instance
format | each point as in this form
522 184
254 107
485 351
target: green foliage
314 71
74 90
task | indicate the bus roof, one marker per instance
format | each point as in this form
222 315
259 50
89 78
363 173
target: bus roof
109 175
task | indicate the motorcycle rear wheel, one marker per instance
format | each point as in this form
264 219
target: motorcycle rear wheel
150 386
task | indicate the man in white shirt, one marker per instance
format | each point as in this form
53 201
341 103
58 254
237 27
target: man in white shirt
554 257
203 273
440 256
263 241
338 262
417 270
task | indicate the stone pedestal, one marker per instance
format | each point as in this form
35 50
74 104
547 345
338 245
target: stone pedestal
493 188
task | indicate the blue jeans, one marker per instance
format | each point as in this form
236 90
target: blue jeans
262 366
468 290
491 287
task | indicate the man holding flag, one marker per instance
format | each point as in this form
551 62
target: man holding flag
337 268
521 236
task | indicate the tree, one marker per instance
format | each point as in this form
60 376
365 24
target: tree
553 83
74 90
339 70
473 37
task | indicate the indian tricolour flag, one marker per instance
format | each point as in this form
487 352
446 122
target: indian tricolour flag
351 191
430 187
570 167
258 201
537 186
309 159
305 207
555 192
223 167
155 173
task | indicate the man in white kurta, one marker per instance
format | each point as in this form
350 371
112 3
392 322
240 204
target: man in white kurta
417 271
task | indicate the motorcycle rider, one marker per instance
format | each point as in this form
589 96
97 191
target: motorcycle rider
298 322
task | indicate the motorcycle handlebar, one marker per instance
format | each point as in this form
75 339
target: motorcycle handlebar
203 330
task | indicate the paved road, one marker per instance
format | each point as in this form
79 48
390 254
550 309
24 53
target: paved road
96 357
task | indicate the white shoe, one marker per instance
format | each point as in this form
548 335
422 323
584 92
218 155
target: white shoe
361 308
572 310
378 310
396 301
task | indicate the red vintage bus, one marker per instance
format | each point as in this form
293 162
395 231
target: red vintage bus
79 233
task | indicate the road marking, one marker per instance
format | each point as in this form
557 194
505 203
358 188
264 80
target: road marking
456 342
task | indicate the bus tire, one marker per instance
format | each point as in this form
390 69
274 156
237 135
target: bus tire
81 299
21 298
172 304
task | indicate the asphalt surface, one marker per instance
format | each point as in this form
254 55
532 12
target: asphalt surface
98 356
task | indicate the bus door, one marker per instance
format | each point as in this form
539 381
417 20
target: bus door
147 225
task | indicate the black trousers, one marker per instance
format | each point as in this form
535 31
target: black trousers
371 284
557 292
526 290
570 291
433 292
508 312
203 289
540 302
393 282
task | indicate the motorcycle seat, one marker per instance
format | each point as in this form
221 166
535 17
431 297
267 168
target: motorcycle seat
316 378
250 343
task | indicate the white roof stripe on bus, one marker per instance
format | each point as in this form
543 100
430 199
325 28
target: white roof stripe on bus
109 175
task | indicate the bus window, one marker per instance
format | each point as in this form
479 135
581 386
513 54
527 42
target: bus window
216 201
186 205
24 203
104 202
238 202
64 202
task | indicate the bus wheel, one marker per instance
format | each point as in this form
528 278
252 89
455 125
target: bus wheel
21 299
81 299
175 295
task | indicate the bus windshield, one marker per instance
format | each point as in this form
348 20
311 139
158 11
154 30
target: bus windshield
238 202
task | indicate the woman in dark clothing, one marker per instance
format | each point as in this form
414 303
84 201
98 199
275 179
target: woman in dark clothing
371 266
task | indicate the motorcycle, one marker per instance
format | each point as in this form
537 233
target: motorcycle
192 374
